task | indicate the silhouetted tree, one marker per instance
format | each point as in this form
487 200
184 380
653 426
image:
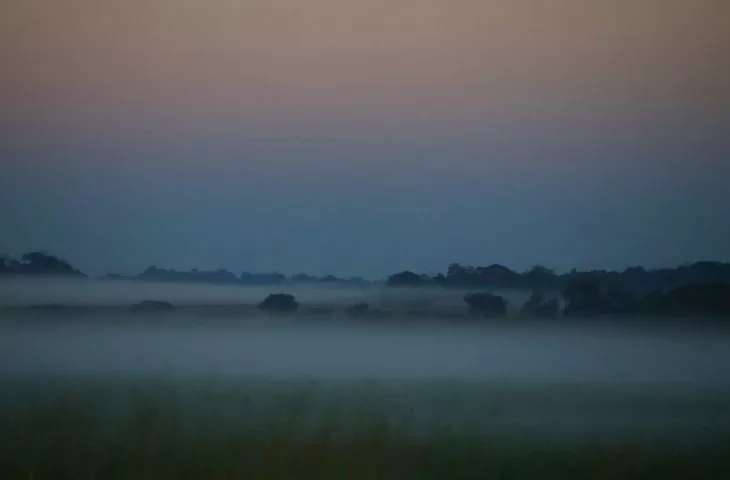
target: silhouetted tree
357 281
633 280
584 297
485 304
705 299
405 279
539 277
219 276
275 278
282 302
38 263
622 301
653 302
540 306
497 276
303 278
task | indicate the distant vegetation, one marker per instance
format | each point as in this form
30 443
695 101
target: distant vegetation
486 305
37 263
408 279
701 288
635 279
225 277
279 302
540 306
588 298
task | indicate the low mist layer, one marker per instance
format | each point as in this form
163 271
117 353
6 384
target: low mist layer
268 346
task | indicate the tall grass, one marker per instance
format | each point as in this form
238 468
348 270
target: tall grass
90 432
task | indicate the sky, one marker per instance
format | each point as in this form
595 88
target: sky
362 137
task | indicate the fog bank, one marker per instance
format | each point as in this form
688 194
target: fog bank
282 348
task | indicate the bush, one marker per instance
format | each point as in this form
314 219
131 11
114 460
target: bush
710 299
486 305
539 306
279 302
405 279
585 297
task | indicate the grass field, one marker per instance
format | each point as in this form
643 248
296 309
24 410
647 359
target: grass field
180 396
157 428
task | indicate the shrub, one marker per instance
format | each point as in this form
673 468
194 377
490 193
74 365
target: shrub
405 279
539 306
486 305
279 302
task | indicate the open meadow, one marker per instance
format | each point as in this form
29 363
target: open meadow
226 394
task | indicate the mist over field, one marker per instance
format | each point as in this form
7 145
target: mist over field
360 239
39 292
64 291
345 349
90 326
91 355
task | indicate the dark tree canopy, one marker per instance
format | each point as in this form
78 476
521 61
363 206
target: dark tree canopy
162 275
584 297
540 306
275 278
279 302
38 263
222 276
405 279
303 278
704 299
486 305
698 288
635 280
588 298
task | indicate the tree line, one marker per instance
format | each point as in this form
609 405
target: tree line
42 263
37 263
635 279
697 288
